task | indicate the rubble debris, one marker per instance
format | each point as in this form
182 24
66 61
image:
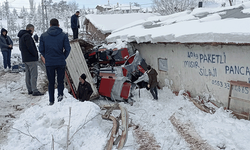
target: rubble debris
112 73
202 106
124 126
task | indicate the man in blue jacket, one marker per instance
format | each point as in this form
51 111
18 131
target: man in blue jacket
75 24
30 59
55 48
6 46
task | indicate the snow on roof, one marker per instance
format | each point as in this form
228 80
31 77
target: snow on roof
105 6
224 24
109 22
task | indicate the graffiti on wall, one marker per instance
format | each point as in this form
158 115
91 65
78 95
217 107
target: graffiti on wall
202 59
208 58
241 70
226 85
198 60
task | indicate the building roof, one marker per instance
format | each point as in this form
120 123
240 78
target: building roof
223 25
110 22
104 6
127 7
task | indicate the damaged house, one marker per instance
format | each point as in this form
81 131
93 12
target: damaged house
98 27
204 51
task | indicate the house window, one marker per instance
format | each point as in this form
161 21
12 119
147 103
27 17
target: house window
163 64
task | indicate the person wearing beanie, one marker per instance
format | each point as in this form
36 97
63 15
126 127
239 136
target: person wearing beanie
84 89
152 83
6 46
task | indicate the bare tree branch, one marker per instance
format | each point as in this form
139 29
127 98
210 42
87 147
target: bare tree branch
167 7
33 137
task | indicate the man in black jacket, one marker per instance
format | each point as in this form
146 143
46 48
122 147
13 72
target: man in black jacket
75 24
84 89
30 58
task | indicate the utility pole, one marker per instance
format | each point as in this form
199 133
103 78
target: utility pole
47 24
43 16
130 8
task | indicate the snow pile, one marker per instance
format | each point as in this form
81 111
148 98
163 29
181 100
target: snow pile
109 22
36 126
219 130
218 127
224 24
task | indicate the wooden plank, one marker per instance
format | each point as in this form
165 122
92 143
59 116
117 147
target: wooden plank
240 83
240 99
239 114
75 73
83 67
77 65
198 105
71 66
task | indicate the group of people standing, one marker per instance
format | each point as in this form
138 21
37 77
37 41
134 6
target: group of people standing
54 47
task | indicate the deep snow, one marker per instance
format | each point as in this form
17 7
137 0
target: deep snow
191 26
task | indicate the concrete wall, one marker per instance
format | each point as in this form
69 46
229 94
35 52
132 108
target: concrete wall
203 69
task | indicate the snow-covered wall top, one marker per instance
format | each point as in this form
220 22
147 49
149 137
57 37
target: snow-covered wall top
224 24
108 23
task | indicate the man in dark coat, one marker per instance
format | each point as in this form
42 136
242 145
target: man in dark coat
84 89
55 48
75 24
30 59
6 46
152 83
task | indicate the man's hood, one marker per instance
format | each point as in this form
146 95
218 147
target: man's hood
22 32
3 31
54 31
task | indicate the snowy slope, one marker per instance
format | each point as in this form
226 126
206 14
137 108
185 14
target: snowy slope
199 25
42 121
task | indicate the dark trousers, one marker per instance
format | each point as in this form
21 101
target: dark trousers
51 74
153 91
31 74
6 58
75 33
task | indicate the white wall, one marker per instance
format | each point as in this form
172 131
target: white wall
189 67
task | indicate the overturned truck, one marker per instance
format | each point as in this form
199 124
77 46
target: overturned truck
112 73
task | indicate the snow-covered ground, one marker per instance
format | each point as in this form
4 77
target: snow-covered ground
36 123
